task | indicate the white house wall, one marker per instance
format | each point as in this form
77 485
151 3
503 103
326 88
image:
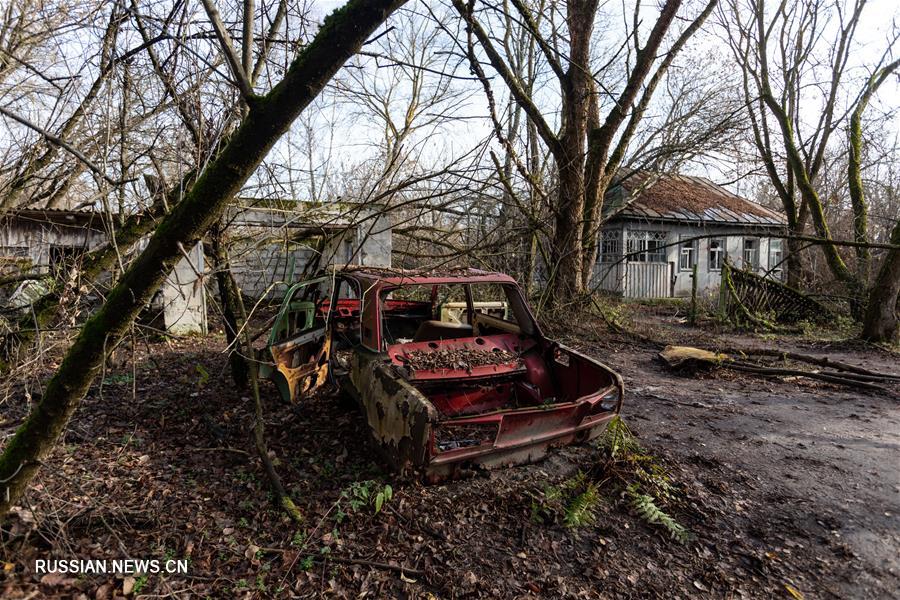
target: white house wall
707 281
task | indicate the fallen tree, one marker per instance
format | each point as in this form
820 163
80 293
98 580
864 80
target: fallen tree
268 117
689 358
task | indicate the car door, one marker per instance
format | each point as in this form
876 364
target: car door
300 340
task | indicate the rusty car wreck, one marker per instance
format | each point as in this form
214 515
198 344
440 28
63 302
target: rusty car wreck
450 368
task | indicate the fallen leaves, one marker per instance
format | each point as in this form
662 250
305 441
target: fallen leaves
456 358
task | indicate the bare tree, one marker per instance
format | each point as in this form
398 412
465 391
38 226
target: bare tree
778 53
587 147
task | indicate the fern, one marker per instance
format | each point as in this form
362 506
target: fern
618 440
575 482
583 509
574 501
547 504
657 479
645 507
646 483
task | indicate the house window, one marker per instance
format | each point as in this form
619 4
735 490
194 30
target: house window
610 245
776 257
687 255
751 253
716 254
647 246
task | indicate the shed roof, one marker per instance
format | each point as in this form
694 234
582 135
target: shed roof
440 276
59 216
685 198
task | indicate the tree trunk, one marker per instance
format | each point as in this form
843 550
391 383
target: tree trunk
565 270
231 303
340 36
601 164
880 323
810 196
794 263
854 172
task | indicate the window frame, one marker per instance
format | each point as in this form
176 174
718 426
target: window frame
722 251
754 265
774 266
610 245
638 246
694 249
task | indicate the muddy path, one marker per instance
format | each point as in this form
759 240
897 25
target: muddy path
812 472
789 486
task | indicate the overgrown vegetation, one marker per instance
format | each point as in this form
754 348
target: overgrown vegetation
574 502
360 495
642 480
629 472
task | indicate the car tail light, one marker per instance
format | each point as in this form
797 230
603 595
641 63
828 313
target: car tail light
449 436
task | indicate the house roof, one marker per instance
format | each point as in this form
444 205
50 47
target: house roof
60 216
685 198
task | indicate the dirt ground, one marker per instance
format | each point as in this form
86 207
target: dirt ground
792 489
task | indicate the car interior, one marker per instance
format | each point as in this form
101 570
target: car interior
422 313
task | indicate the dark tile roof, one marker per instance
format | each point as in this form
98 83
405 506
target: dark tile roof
684 198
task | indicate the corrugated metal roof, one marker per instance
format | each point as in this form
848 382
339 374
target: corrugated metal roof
684 198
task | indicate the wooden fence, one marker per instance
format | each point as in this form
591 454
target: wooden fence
635 279
742 290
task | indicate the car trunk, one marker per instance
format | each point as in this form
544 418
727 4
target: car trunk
504 394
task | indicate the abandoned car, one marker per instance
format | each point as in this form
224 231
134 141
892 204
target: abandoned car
450 368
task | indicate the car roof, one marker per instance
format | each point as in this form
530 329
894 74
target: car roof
389 276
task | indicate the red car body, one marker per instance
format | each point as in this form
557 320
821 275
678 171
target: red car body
446 386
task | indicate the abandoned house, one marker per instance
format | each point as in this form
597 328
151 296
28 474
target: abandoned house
271 243
648 245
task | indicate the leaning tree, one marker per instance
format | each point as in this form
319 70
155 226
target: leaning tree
267 117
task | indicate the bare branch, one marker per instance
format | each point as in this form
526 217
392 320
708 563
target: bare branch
228 49
62 144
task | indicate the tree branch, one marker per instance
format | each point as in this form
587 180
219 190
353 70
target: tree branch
62 144
515 86
231 57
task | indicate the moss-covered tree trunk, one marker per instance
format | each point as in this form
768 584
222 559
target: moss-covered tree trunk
269 117
881 322
854 171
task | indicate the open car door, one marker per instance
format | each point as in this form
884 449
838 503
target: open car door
300 341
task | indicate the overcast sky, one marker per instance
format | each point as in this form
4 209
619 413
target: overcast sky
349 139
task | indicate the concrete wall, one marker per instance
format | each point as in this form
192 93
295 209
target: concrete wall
272 247
184 297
